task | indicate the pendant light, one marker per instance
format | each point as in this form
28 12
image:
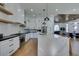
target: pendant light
24 16
46 18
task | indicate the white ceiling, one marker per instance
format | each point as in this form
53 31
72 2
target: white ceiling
61 8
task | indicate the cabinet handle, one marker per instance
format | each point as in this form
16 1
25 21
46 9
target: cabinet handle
10 45
10 51
11 40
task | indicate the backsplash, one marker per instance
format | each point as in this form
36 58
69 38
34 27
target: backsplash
7 29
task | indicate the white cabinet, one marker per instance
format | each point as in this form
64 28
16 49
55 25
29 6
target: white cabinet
31 35
35 35
26 38
17 43
4 50
8 47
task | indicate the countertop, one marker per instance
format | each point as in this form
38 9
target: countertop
11 36
53 46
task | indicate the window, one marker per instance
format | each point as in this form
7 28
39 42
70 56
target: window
75 26
56 27
66 27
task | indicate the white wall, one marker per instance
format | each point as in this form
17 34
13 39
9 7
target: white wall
18 12
7 28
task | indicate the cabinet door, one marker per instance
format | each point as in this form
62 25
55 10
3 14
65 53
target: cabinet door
4 42
26 37
16 43
13 45
4 50
6 47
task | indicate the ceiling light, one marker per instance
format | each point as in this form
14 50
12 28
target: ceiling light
19 10
74 9
31 9
56 9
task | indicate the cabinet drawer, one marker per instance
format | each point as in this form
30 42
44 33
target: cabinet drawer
8 47
16 40
11 44
4 42
4 50
11 40
11 50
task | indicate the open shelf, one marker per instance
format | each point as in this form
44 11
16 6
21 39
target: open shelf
12 22
22 25
6 11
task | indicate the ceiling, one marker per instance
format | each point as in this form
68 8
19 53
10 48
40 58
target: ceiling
37 9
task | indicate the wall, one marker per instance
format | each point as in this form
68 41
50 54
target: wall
18 12
18 16
62 24
34 22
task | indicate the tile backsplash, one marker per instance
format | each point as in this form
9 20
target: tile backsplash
8 29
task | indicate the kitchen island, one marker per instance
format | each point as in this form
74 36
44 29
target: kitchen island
57 46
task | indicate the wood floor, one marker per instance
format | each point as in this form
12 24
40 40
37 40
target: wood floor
74 48
28 48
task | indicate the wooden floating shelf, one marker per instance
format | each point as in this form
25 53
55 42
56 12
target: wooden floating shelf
6 11
12 22
22 25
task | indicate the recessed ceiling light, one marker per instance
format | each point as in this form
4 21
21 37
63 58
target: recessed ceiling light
31 9
74 9
19 10
56 9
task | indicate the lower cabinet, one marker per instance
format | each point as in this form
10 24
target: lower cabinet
30 35
8 47
4 50
26 37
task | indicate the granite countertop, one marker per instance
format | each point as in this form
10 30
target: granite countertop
11 36
14 35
